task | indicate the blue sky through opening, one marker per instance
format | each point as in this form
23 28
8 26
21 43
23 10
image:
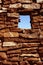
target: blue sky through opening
24 22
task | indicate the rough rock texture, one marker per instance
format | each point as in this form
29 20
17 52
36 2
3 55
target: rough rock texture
21 46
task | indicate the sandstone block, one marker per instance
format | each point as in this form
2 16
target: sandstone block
0 6
16 5
31 6
29 55
5 62
42 6
2 26
6 1
30 44
41 11
25 1
9 44
3 55
11 25
14 20
35 25
39 1
28 35
1 34
0 1
32 59
16 15
6 6
24 63
4 30
37 18
11 34
14 1
41 26
14 59
14 51
1 11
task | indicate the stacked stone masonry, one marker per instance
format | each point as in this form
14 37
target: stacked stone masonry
21 46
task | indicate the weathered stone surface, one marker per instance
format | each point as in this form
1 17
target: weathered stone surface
0 6
2 26
0 1
9 44
6 6
6 2
35 25
1 11
3 55
34 55
39 1
29 35
25 1
31 6
38 18
7 62
16 15
14 1
11 34
16 5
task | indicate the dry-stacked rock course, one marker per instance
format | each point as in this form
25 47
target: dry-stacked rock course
21 46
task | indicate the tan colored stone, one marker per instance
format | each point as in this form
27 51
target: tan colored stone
25 1
0 1
24 62
30 44
32 59
14 59
14 1
28 35
6 34
9 44
13 15
31 6
6 62
11 34
14 20
2 26
16 5
2 11
37 18
6 2
14 51
0 6
3 55
34 55
14 34
4 30
39 1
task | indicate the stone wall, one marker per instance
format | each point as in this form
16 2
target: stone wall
21 46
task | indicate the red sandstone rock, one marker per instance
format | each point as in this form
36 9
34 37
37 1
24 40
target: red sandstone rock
3 55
